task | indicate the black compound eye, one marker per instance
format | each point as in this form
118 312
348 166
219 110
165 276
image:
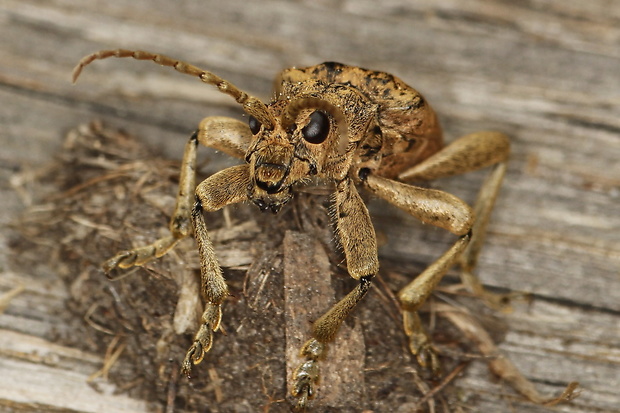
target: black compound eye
317 129
254 125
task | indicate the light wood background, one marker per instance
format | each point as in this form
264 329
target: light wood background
545 72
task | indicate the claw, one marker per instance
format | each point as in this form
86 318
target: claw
427 359
119 261
425 354
420 344
302 403
203 340
307 374
194 355
306 377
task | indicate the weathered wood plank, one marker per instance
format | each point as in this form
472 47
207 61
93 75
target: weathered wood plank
56 378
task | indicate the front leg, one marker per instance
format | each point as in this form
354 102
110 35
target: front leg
223 188
358 240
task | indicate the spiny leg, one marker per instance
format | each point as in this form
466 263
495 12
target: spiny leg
358 240
223 188
225 134
483 208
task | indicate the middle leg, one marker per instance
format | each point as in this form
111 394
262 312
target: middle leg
470 152
225 134
440 209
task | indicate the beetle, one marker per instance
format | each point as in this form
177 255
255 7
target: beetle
351 127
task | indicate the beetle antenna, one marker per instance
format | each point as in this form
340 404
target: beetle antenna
251 105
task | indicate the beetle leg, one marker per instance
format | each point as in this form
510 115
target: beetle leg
414 294
483 208
228 135
357 237
441 209
430 206
436 208
471 152
223 188
468 153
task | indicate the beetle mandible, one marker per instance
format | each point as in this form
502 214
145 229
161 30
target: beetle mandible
352 127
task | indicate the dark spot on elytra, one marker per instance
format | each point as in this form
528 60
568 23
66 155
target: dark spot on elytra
418 103
333 68
412 143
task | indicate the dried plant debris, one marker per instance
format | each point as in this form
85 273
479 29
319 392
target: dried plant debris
110 192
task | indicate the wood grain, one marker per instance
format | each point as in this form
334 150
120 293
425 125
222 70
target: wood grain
545 73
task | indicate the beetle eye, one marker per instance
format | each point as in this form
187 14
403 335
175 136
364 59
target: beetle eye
254 124
317 129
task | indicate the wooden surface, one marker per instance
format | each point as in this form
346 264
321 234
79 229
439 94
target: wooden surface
545 73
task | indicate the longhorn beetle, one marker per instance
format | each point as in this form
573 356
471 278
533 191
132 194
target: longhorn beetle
352 127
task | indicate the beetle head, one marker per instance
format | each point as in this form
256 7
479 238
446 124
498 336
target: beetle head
306 137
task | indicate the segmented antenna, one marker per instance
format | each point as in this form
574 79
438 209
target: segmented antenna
251 105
